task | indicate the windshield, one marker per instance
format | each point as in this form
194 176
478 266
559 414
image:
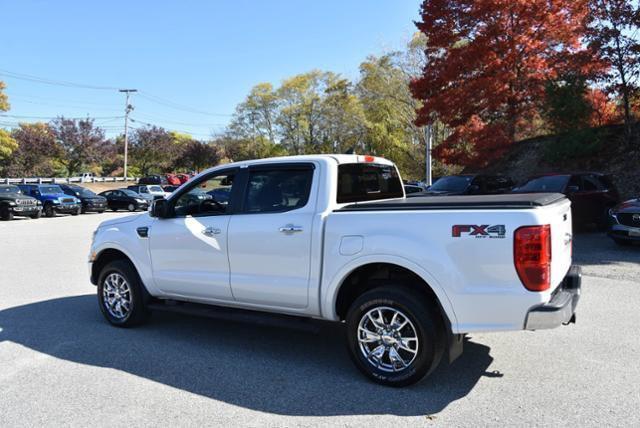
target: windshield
454 183
9 189
551 183
81 191
130 193
156 189
50 190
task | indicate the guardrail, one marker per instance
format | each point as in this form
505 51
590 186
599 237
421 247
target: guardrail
54 180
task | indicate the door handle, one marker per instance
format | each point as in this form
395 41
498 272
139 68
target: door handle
210 231
290 229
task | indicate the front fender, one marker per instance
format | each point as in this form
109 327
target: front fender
132 246
331 288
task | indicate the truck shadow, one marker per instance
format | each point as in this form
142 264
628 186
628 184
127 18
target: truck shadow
281 371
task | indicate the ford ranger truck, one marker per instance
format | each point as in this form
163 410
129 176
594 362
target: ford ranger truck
333 237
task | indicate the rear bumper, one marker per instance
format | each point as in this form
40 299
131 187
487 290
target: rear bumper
562 306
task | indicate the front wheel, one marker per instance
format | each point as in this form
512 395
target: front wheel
36 215
6 214
131 207
49 211
121 295
76 212
395 337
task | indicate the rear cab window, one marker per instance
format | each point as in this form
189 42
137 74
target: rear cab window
361 182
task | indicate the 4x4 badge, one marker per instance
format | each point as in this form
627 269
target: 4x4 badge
479 230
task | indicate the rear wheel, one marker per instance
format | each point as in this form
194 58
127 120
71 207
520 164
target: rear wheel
394 336
121 295
6 214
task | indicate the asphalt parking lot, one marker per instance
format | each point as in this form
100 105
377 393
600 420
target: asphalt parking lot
61 364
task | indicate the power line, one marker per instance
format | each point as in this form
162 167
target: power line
177 106
36 79
175 130
145 95
55 117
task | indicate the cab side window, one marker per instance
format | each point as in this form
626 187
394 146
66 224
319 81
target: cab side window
278 189
209 197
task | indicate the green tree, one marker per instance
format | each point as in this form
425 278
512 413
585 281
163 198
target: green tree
4 100
35 152
153 149
198 155
80 142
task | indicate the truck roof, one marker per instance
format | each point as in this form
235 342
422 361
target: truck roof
338 158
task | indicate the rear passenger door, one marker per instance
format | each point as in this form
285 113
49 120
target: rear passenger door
270 239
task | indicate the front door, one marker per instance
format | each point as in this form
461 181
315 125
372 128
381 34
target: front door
271 238
189 250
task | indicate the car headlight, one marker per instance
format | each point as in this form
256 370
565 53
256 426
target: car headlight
141 201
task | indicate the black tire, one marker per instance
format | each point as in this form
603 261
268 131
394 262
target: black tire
138 296
76 212
36 215
425 319
132 207
6 214
622 242
49 211
100 211
114 209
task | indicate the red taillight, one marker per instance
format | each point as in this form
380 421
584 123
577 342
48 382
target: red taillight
532 256
369 158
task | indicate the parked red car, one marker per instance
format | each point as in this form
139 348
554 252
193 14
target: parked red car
183 178
173 179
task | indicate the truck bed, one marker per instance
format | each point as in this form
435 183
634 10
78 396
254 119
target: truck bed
508 201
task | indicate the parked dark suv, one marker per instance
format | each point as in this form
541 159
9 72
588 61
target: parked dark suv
469 184
624 222
13 202
89 200
592 194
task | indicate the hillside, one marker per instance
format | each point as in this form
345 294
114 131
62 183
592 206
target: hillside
526 158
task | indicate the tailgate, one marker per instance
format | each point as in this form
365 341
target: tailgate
559 217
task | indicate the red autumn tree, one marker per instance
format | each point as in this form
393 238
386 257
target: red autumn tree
604 111
613 34
487 63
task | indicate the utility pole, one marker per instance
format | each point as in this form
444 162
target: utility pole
428 139
127 109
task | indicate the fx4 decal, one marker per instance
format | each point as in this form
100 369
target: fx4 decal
479 231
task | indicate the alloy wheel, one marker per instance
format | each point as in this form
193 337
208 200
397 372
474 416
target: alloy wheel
387 339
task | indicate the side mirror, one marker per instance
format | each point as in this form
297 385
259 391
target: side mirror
160 209
572 189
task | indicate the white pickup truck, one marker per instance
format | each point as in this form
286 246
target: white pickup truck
333 237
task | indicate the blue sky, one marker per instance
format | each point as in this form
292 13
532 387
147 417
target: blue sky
204 55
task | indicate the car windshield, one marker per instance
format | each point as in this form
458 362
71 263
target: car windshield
454 183
130 193
551 183
9 189
50 190
81 191
156 189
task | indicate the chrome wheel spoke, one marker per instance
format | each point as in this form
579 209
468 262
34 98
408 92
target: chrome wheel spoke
387 339
116 296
